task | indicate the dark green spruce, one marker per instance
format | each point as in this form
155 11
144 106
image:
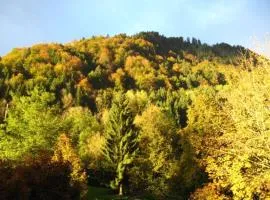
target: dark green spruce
121 140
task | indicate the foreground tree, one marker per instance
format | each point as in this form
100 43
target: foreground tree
65 153
155 164
230 131
121 140
37 178
32 124
245 163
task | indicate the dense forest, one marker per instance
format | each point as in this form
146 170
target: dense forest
149 116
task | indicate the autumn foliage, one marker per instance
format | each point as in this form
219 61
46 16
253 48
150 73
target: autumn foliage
146 115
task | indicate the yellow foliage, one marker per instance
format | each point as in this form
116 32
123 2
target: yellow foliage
16 80
40 69
231 130
59 68
155 138
85 85
137 100
69 64
65 153
95 144
141 70
105 56
117 77
176 67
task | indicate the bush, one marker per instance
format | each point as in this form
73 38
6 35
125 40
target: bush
36 178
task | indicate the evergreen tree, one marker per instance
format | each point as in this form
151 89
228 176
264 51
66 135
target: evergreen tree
121 140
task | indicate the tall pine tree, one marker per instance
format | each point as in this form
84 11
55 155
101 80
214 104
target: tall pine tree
121 140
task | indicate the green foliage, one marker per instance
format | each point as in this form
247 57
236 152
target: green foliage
121 140
98 78
84 131
202 112
158 154
175 103
32 124
137 100
80 123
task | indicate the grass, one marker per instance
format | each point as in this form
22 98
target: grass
101 193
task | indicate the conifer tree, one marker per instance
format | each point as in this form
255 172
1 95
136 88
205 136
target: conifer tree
121 140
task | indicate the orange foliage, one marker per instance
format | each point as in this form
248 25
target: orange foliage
208 192
85 85
65 153
118 76
105 56
189 57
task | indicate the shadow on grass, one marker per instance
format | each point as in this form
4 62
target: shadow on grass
101 193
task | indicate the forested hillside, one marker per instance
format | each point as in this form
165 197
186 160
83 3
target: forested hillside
149 116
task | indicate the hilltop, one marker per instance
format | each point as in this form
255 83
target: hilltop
144 61
145 116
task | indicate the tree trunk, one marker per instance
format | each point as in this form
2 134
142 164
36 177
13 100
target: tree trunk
6 112
120 189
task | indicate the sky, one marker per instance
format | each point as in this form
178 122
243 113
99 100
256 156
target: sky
26 22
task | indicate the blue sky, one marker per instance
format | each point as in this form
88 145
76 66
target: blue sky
25 22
